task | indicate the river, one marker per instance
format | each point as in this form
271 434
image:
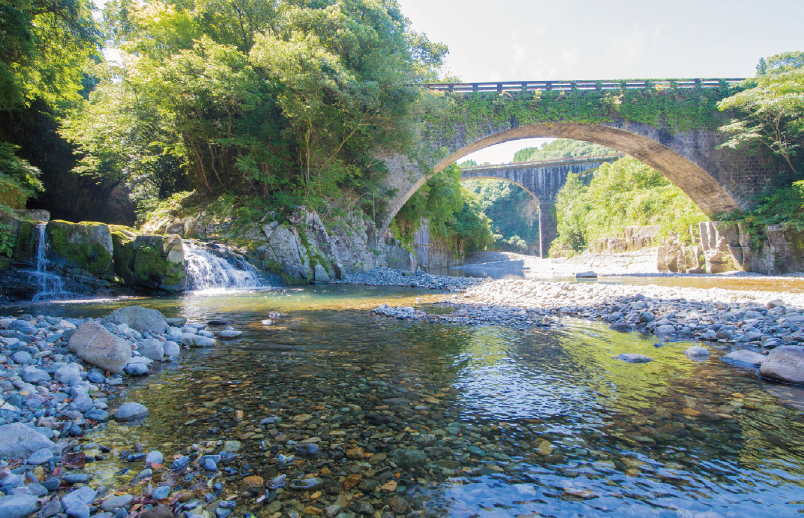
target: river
459 421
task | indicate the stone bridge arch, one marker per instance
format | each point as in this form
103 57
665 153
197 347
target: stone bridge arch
718 181
542 180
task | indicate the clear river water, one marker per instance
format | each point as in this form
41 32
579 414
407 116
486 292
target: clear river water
501 422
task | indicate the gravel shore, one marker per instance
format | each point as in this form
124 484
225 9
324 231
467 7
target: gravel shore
61 377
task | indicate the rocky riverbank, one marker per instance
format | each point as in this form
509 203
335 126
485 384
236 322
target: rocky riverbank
420 279
760 328
62 377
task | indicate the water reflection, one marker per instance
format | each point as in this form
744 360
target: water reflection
545 422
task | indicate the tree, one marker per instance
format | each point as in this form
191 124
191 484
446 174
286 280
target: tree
44 47
770 111
257 97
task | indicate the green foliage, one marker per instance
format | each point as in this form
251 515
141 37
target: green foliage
280 100
513 213
453 213
672 108
626 192
7 240
45 46
561 148
770 110
777 205
19 180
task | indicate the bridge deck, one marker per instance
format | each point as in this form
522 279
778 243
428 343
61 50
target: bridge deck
582 85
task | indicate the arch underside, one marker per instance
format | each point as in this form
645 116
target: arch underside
704 190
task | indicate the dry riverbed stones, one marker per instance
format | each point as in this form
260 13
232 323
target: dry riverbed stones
59 378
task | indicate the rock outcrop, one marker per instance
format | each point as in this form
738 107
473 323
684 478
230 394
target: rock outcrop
86 246
149 261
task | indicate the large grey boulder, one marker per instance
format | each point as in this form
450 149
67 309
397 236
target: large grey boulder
746 358
18 441
18 506
139 318
784 364
94 344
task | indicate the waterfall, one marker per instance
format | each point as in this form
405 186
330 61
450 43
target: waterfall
50 286
209 269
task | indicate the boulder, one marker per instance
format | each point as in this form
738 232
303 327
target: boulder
171 348
586 275
139 318
18 506
192 340
148 260
152 348
130 412
94 344
19 441
743 357
784 364
697 351
86 245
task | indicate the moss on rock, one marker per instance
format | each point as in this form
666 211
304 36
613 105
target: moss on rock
85 245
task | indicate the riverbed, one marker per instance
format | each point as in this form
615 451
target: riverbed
452 420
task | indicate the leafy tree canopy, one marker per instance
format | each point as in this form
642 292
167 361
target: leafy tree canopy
769 113
44 47
254 96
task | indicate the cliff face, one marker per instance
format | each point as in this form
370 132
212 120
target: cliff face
301 248
717 247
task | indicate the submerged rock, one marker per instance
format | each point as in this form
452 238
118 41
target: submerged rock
745 358
130 412
634 358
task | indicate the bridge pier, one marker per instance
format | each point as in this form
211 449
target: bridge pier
548 227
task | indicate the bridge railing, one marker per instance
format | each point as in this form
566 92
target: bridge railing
543 163
585 85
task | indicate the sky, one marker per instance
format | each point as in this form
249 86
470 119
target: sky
508 40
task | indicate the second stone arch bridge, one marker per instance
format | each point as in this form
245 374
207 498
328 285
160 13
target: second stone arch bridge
543 180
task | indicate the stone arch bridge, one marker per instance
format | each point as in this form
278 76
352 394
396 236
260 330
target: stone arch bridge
717 180
543 180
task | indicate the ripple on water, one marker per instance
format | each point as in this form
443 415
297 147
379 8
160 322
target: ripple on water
511 423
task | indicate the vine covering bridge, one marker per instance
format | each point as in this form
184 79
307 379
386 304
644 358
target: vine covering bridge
543 180
669 124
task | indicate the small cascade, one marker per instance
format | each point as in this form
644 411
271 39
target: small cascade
218 270
50 286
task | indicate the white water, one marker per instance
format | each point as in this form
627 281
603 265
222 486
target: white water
209 273
50 285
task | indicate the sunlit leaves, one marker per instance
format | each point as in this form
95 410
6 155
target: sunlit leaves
770 114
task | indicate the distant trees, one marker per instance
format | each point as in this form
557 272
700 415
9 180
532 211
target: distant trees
625 192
